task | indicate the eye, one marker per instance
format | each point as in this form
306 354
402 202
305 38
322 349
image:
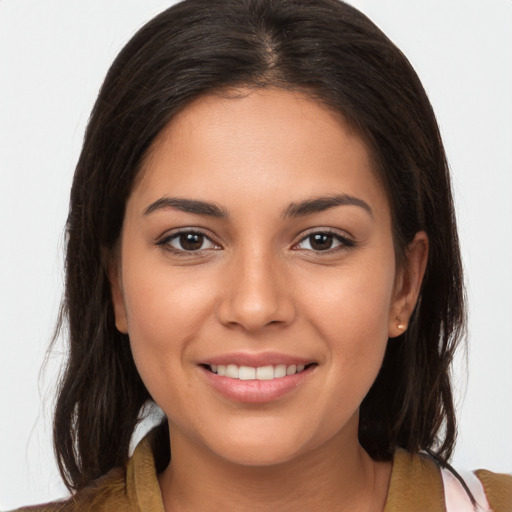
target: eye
188 241
322 241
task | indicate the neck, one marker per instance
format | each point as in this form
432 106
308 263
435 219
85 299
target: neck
337 476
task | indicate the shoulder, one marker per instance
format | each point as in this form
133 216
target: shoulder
418 483
130 489
415 484
106 493
498 489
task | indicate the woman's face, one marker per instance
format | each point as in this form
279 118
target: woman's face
257 277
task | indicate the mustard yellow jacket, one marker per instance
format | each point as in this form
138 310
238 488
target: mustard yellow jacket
416 486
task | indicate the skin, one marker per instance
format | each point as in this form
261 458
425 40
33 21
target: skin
256 285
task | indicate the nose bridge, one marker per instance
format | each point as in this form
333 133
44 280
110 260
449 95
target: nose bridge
255 293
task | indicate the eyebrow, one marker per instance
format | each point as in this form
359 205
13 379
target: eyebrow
302 209
321 204
187 205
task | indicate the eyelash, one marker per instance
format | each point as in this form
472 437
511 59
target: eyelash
165 242
344 242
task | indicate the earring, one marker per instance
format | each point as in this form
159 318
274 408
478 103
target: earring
400 325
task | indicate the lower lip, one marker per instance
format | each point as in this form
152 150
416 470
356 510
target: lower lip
256 391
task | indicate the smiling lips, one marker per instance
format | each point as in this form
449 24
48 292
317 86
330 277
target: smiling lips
268 372
256 381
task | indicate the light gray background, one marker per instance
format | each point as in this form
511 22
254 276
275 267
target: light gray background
53 57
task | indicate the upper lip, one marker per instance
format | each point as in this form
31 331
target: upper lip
256 360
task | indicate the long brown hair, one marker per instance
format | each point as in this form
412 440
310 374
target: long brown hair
335 54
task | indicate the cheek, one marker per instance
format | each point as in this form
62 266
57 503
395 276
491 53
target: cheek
355 300
350 312
163 302
165 311
163 319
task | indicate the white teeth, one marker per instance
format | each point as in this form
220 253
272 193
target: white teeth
246 373
268 372
265 372
292 369
232 371
280 371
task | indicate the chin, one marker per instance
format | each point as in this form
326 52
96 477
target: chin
258 454
260 444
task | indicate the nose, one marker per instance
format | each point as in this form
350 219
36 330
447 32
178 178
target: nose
256 293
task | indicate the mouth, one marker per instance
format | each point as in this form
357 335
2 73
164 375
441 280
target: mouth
261 373
257 378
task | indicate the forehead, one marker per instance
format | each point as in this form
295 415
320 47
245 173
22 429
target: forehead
256 145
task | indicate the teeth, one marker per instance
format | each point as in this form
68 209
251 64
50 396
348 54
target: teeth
280 371
232 371
261 373
246 373
265 373
292 369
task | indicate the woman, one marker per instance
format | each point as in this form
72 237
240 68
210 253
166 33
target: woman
262 241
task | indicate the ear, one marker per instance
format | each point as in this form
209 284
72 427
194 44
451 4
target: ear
113 266
408 284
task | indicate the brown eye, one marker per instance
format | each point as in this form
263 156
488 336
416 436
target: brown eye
191 241
188 241
321 241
